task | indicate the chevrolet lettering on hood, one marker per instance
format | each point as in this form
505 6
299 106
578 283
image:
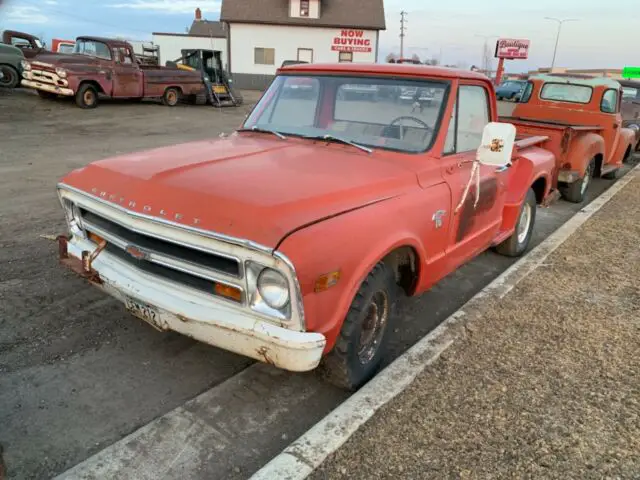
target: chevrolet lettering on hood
297 233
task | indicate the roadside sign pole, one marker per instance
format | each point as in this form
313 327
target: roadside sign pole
499 71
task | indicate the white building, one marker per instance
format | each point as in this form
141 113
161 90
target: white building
261 34
203 34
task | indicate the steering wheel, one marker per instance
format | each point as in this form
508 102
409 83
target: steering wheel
407 117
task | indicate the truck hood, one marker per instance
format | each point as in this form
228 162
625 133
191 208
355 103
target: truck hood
65 59
247 186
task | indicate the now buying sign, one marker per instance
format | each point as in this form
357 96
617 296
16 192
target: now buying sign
351 41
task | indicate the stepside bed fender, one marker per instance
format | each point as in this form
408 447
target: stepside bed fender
532 168
583 148
627 141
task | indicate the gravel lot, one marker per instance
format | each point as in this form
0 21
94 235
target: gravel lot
545 386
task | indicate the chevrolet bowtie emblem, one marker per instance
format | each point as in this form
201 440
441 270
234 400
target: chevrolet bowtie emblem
136 252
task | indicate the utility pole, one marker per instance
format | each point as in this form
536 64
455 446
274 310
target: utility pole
486 54
560 22
402 29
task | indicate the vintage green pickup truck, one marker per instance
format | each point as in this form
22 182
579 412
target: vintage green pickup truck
10 66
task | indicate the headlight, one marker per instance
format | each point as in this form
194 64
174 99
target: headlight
634 126
26 66
61 72
74 219
273 288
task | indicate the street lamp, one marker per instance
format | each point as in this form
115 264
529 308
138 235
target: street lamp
560 22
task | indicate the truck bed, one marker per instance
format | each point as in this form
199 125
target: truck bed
156 79
554 125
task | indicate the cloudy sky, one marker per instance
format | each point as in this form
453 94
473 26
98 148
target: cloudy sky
602 36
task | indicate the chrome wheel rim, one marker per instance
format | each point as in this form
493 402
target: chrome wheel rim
586 180
373 326
171 98
524 223
89 97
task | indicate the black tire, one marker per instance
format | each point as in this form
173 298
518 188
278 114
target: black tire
612 175
87 96
11 78
47 95
350 365
575 192
171 97
627 155
517 244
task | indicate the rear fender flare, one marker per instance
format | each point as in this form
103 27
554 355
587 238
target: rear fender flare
583 150
627 140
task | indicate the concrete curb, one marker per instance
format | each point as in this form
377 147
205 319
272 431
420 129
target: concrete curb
305 454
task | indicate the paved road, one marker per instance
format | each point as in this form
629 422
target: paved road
78 373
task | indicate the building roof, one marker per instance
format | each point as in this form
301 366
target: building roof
629 83
207 28
385 69
364 14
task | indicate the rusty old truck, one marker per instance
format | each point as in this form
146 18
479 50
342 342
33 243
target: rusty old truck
29 44
582 119
631 107
291 240
102 67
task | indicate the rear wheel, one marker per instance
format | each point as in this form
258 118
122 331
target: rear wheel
360 346
171 97
87 96
627 155
10 77
517 244
575 192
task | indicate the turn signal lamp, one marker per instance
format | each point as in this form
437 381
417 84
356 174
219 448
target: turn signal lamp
326 281
97 239
232 293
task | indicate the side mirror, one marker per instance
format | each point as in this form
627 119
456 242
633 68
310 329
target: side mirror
497 144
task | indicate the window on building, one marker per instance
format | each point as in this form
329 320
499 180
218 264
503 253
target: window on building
345 57
467 123
264 56
609 102
304 8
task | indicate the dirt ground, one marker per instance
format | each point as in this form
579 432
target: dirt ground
546 385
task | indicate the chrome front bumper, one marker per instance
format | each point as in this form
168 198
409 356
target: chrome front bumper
194 314
47 87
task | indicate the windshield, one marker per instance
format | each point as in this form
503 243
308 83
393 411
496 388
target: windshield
92 48
65 48
394 114
630 93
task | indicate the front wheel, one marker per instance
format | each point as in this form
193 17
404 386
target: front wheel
87 96
360 346
10 77
575 192
517 244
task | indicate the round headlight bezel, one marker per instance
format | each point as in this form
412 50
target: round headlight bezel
61 72
273 287
26 66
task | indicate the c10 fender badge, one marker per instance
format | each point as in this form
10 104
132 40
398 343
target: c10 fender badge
437 218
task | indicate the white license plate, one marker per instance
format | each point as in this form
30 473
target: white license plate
143 312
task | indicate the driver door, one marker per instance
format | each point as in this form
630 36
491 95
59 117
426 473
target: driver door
127 78
473 226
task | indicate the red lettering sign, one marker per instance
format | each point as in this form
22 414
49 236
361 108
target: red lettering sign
351 41
512 49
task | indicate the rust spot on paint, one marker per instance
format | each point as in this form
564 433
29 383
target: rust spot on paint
264 354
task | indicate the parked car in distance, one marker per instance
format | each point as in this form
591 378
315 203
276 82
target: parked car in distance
511 90
582 119
29 44
106 67
286 63
10 65
631 107
351 204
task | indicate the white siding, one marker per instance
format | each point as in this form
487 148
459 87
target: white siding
286 40
171 46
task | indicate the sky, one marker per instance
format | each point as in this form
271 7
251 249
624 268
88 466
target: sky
603 35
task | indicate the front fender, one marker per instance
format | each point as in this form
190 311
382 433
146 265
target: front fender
583 149
353 243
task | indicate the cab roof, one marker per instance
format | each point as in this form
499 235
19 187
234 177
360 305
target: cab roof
384 69
589 82
109 41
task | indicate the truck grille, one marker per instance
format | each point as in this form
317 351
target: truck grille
108 229
189 266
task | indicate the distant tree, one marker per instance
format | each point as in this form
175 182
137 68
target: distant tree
415 57
391 58
432 61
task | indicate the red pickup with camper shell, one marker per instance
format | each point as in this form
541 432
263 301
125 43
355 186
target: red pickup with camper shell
291 240
109 68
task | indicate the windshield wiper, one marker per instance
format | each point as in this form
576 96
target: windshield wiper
338 139
263 130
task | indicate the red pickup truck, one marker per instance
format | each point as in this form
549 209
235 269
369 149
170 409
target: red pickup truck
291 240
583 120
106 67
